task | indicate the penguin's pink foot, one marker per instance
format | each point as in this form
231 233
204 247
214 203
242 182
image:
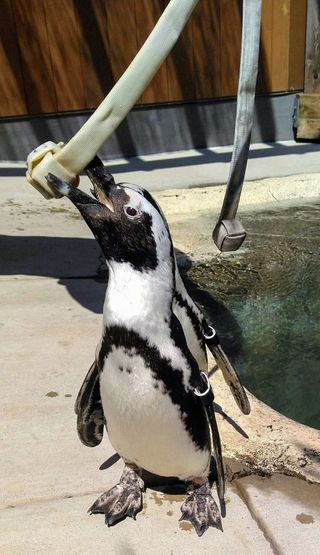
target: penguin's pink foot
124 499
201 509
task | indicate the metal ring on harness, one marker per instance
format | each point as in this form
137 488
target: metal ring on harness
206 336
206 379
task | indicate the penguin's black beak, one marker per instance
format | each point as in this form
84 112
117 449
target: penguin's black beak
102 182
95 211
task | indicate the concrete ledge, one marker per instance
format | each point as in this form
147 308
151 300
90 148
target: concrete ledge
193 213
287 500
274 443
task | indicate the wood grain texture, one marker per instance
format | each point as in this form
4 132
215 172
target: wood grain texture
206 49
147 14
280 45
95 54
312 55
230 33
181 70
265 59
121 35
35 56
12 96
59 55
297 40
65 44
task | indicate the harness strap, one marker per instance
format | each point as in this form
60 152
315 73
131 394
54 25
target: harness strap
205 393
229 233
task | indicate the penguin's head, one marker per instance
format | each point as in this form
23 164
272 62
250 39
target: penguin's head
125 219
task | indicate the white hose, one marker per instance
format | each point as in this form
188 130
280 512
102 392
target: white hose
68 161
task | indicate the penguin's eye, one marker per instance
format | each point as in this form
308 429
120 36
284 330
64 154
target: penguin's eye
132 212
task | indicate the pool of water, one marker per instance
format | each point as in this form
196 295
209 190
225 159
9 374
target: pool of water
265 302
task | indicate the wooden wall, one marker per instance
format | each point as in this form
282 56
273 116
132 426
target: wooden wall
62 55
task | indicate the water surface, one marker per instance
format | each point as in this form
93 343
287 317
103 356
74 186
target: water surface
266 306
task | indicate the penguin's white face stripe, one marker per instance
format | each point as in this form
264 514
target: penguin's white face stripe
142 205
132 187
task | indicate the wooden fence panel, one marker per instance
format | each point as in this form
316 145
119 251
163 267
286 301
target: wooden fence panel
265 61
147 15
12 95
181 70
230 45
122 35
65 48
59 55
280 45
206 49
95 59
35 56
297 41
65 43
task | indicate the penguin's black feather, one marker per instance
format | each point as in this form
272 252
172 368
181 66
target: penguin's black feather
89 411
190 406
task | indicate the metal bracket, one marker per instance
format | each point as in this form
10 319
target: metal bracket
229 235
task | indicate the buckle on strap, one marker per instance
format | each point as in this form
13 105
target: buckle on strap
206 396
210 335
205 380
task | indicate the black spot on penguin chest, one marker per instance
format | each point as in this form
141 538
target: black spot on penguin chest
190 407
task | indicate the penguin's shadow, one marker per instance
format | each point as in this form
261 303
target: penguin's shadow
78 265
75 262
219 410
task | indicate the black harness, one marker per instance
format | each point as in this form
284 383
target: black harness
205 393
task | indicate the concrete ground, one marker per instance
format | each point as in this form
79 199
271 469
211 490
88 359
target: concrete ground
205 166
50 322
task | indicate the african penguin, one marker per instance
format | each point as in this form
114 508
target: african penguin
149 361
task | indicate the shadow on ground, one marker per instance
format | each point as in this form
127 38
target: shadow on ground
78 265
75 262
202 156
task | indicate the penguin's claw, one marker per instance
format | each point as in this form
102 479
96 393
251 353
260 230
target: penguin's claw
124 499
201 510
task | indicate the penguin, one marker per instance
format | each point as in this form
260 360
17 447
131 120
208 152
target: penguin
148 384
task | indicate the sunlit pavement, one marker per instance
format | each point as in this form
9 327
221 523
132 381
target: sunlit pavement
50 321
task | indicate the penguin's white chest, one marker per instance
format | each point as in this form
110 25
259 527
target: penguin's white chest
144 425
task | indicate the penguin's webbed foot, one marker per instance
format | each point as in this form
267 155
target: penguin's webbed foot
201 509
124 499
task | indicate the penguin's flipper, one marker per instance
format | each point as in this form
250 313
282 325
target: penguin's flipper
232 379
89 411
228 371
